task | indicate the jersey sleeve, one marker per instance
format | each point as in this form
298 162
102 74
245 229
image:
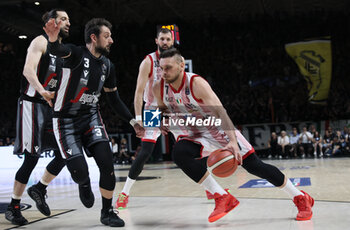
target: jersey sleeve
111 80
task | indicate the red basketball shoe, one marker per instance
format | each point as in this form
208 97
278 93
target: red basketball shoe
122 201
304 204
210 196
223 205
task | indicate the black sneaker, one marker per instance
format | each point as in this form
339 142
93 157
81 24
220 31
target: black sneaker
111 218
14 215
86 195
39 198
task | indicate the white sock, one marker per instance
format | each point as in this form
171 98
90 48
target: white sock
16 197
291 190
128 184
44 182
212 186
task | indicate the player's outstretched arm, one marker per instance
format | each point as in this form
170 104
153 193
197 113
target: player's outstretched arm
35 50
122 111
52 30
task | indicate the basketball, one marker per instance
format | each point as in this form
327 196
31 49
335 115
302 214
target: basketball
222 163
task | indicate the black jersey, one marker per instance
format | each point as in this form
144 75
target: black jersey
48 69
83 77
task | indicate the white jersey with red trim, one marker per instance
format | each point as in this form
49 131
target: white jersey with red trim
152 134
154 76
183 105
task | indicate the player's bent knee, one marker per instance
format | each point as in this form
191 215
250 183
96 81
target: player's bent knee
107 181
143 156
26 169
77 166
139 162
56 165
79 176
180 154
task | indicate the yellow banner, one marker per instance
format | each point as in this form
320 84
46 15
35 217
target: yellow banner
314 59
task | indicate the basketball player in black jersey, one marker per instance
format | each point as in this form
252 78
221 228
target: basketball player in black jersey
34 119
77 122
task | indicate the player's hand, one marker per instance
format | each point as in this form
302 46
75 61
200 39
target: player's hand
139 122
52 29
233 147
139 130
48 96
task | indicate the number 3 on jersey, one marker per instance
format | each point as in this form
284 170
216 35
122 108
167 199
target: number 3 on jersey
98 132
86 62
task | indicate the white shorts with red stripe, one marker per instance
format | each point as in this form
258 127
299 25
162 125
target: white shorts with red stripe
210 144
151 134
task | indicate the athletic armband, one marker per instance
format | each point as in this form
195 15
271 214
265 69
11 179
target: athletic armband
133 122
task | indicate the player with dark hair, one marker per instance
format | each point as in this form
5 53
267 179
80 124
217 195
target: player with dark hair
187 93
149 72
34 119
77 121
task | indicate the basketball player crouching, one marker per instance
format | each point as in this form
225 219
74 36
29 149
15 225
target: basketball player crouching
181 92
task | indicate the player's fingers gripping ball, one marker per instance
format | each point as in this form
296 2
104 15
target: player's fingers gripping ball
222 163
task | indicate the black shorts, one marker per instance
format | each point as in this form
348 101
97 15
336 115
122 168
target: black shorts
74 134
34 132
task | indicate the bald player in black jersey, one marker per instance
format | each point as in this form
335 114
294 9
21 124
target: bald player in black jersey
34 119
77 121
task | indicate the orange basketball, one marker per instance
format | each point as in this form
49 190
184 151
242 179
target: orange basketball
222 163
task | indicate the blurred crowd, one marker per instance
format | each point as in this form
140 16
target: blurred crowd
308 143
244 61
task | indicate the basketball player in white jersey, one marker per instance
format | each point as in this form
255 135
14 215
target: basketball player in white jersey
179 93
149 73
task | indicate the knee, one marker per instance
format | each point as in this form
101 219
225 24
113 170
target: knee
60 162
56 165
252 164
250 167
144 155
30 161
107 171
108 181
79 176
146 151
26 169
78 170
107 176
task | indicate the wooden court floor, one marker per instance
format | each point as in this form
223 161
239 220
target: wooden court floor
164 198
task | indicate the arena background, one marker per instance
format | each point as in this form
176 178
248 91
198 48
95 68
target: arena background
238 46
